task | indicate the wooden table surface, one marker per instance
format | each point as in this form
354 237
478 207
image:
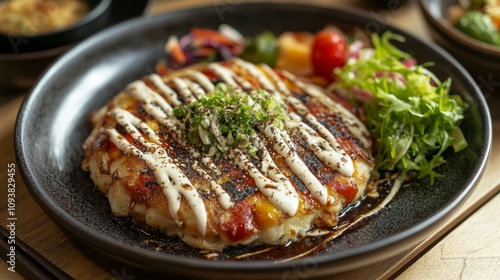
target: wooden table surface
468 247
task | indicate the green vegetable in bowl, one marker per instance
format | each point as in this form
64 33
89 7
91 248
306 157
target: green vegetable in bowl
410 114
479 26
262 49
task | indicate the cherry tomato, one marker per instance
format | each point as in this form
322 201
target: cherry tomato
329 51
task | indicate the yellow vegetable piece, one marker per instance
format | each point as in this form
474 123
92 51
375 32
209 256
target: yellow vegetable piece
266 214
295 53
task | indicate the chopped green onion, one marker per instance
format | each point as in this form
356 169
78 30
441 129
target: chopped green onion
227 118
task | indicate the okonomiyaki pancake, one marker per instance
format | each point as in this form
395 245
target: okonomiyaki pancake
228 153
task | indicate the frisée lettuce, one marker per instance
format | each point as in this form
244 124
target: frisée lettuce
409 112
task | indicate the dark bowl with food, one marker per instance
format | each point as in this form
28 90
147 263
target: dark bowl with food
25 53
30 38
23 57
481 59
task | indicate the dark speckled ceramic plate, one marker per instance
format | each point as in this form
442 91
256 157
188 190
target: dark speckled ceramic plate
53 123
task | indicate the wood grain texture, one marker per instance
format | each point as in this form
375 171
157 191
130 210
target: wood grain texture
471 251
459 250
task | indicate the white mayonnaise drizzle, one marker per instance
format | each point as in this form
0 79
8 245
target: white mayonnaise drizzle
243 83
201 79
285 189
254 71
283 196
214 125
183 90
170 177
222 196
152 102
276 79
285 147
225 74
207 161
191 85
166 91
355 126
326 149
195 88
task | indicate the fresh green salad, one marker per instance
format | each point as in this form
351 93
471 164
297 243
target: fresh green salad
411 114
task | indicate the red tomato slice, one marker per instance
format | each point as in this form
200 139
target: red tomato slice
348 191
241 225
329 51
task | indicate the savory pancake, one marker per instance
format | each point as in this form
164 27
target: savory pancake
228 153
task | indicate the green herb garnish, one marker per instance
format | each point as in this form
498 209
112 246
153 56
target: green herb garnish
411 115
228 118
262 49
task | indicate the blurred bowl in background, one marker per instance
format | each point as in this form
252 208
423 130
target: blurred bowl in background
97 16
19 71
24 58
482 60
